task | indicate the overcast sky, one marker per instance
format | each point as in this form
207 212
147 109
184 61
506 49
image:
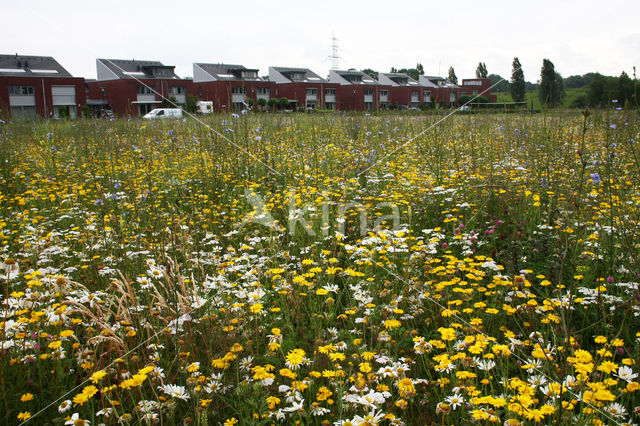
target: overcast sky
577 36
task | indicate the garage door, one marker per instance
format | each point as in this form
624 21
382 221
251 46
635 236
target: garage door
64 95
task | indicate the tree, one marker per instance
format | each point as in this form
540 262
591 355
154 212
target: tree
551 90
481 71
169 102
625 89
578 81
262 102
420 69
498 84
191 104
411 72
283 103
517 85
273 104
371 73
452 76
393 70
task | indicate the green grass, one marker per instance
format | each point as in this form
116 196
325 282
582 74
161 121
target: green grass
571 95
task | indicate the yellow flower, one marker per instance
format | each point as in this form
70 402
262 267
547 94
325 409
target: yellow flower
230 422
97 376
295 358
365 367
272 401
66 333
55 345
600 339
392 323
26 397
447 333
80 399
24 415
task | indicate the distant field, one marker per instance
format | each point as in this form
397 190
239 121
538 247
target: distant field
533 95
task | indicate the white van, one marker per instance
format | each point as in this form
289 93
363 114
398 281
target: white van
163 113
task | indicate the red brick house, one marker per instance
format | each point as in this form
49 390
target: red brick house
442 90
32 86
359 91
404 91
304 88
477 86
229 86
133 87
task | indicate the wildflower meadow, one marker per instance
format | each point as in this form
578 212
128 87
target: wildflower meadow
325 269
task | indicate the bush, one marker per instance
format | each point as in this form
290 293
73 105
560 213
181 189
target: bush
579 102
283 103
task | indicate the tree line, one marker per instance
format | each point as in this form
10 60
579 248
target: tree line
551 88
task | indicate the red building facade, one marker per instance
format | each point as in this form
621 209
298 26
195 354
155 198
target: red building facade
133 88
231 87
404 91
304 89
32 86
359 91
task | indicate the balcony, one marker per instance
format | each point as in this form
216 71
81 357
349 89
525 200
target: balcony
329 98
312 98
146 98
368 98
384 98
237 97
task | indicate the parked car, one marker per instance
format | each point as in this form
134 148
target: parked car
106 113
159 113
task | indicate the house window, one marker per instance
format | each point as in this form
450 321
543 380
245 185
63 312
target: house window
238 90
262 90
368 92
368 106
427 96
330 92
330 105
249 74
384 93
200 91
312 91
145 90
21 90
177 90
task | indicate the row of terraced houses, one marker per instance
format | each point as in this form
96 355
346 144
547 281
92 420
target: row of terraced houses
33 86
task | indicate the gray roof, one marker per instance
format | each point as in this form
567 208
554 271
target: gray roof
436 81
397 79
295 75
31 66
230 72
113 69
351 77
